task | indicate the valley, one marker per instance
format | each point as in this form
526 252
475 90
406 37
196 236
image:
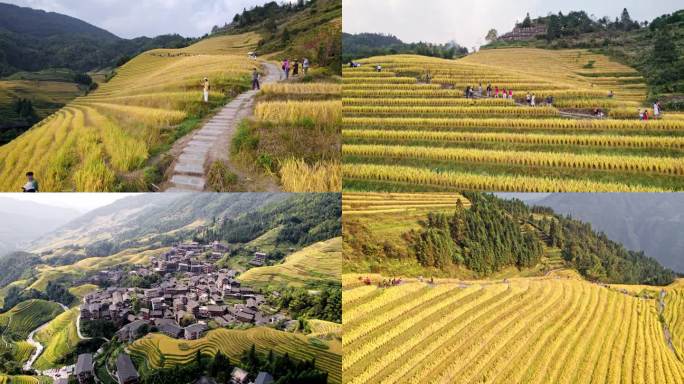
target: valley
206 285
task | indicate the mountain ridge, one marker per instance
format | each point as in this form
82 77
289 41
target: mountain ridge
647 222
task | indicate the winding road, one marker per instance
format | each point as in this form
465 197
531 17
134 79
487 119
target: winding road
38 346
212 142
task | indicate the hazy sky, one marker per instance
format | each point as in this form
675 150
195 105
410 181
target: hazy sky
134 18
467 22
82 202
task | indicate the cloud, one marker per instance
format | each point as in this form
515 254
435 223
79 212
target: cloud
467 22
133 18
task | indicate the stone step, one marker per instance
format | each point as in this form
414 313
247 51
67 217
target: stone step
188 182
204 139
191 158
190 168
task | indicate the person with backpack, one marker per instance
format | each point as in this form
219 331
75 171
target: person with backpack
31 185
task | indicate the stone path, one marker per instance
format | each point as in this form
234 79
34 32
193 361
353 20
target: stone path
189 169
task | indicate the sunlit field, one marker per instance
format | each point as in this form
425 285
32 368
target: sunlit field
101 141
410 127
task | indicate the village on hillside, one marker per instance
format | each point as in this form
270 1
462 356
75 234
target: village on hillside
192 297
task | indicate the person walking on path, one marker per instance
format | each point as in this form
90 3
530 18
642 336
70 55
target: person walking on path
255 80
295 72
534 100
31 185
489 90
641 114
207 88
510 94
305 66
286 68
496 92
656 110
505 93
646 115
479 91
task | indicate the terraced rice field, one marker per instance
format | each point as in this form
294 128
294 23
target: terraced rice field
545 330
96 142
28 315
674 302
59 338
158 350
302 132
402 132
366 204
25 380
322 328
319 262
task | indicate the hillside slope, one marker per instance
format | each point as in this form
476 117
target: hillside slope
648 222
102 142
409 128
32 40
655 48
307 29
557 329
317 263
145 215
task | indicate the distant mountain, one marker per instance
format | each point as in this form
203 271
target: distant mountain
129 219
23 221
33 40
653 223
377 44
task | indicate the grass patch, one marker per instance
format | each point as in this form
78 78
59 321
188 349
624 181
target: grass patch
220 178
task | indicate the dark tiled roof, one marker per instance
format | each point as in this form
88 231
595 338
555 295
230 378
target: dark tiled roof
125 370
263 378
84 363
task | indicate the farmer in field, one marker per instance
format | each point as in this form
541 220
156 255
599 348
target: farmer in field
31 185
255 80
610 94
305 66
656 110
207 87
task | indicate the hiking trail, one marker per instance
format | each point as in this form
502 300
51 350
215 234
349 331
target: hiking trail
212 142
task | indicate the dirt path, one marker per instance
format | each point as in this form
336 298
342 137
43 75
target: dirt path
212 142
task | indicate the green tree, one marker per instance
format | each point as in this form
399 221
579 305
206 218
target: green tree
527 23
492 35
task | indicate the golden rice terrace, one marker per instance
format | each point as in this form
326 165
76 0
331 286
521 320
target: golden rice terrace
410 127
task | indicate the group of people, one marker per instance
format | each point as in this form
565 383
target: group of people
390 283
657 110
288 67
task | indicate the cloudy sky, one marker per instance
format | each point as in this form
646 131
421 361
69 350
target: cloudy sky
134 18
82 202
467 22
